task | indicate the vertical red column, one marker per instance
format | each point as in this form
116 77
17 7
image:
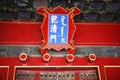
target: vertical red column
11 73
37 76
102 73
3 73
77 75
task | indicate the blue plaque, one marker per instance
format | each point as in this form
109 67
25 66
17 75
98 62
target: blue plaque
58 29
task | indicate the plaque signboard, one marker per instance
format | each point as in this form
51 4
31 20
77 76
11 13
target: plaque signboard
58 30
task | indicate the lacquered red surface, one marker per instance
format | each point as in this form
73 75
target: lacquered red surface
4 73
61 61
86 33
112 73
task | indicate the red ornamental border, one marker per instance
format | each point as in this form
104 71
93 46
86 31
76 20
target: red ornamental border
69 46
72 28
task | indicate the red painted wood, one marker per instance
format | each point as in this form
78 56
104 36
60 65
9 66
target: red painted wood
59 61
55 61
19 32
37 77
3 73
77 77
11 74
102 72
112 73
97 34
86 34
